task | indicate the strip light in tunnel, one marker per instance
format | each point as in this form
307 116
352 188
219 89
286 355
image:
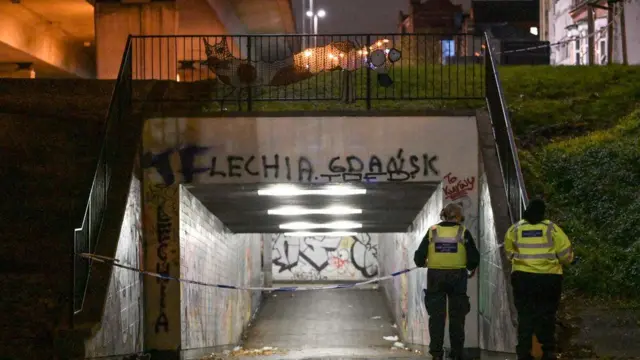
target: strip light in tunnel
330 233
338 225
296 210
292 190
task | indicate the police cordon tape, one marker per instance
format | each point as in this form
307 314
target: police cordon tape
115 262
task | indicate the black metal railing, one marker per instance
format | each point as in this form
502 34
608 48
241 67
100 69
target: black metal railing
256 69
504 138
86 236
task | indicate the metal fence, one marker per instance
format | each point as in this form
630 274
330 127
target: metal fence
347 68
504 138
86 236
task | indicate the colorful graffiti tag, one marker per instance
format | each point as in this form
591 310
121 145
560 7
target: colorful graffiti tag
324 258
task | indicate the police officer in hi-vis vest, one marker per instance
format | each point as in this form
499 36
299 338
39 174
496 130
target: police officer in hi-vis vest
538 249
451 255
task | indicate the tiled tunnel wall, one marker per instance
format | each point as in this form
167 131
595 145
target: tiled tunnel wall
121 329
210 253
405 293
323 258
497 332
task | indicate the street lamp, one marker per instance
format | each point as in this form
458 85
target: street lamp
320 14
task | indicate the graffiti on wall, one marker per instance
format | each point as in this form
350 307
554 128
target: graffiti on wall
455 188
162 163
161 212
459 190
396 167
324 258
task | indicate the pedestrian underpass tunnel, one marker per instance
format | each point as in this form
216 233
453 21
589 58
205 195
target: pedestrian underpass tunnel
268 202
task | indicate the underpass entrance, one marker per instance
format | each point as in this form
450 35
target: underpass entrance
332 199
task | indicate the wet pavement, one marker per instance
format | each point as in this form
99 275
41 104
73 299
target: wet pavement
327 324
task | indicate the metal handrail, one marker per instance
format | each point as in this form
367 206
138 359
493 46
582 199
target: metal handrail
504 138
87 235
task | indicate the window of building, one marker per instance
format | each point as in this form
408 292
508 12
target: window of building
577 51
448 50
603 52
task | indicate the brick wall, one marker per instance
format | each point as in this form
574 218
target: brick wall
121 329
210 253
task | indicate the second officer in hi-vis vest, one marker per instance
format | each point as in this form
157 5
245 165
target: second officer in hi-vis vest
538 250
451 255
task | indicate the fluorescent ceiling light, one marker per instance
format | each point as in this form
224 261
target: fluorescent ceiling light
340 225
310 233
296 210
292 190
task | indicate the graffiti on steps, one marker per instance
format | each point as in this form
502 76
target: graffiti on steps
324 258
397 167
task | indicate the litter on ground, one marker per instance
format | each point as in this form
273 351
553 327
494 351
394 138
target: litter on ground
239 351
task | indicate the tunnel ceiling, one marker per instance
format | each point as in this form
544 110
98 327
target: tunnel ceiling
387 207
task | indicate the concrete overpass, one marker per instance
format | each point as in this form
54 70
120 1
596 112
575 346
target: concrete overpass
77 38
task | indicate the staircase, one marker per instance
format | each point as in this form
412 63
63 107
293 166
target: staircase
49 141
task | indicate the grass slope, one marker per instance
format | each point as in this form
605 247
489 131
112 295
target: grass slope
578 131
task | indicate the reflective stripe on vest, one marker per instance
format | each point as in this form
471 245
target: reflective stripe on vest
547 245
448 240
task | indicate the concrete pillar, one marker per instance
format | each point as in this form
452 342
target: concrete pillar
161 255
153 58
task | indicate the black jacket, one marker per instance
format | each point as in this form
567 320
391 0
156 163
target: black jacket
473 256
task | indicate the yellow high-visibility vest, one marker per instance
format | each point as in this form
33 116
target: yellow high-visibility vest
537 248
446 247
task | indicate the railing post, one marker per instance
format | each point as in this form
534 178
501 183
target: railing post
72 298
368 74
249 88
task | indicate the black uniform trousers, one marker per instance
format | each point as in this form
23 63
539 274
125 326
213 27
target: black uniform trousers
536 297
443 284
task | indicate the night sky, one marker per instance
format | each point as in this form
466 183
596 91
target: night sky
348 16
